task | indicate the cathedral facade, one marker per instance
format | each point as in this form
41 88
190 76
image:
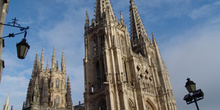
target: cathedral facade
48 89
122 71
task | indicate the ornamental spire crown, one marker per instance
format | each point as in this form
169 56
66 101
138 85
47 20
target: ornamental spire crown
137 30
101 7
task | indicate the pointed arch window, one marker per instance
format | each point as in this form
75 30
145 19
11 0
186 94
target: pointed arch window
126 74
102 42
96 47
98 75
57 83
56 101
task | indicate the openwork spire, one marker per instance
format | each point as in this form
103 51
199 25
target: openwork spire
137 29
42 60
63 66
68 94
101 7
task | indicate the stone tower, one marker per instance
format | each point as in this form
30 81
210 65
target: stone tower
123 72
48 89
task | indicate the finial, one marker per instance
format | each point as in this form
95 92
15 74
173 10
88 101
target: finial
35 61
57 66
53 59
63 66
122 18
47 67
154 40
68 79
131 1
87 16
87 21
42 59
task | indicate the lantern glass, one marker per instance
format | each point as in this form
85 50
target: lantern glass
190 86
22 49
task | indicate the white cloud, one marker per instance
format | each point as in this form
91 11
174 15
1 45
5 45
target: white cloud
16 87
195 54
205 10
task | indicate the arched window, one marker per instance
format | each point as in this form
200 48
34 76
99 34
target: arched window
98 75
57 83
56 101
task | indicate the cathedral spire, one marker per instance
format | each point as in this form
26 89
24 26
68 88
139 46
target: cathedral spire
160 60
53 59
101 7
63 66
68 94
137 29
42 60
7 106
35 61
35 69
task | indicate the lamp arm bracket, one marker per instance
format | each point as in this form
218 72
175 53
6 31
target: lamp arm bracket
14 34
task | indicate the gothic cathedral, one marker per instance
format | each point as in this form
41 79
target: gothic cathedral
123 72
48 89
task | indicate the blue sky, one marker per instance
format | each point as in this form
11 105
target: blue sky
187 32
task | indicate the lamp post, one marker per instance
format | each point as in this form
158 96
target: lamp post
194 95
23 46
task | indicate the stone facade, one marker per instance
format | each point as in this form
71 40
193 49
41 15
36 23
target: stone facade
48 89
123 72
3 12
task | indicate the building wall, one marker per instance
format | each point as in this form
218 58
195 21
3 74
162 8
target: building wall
123 72
3 11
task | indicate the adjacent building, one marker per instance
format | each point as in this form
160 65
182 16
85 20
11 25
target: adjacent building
48 88
3 11
123 71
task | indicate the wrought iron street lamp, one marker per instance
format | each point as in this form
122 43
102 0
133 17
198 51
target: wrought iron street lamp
23 46
194 95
